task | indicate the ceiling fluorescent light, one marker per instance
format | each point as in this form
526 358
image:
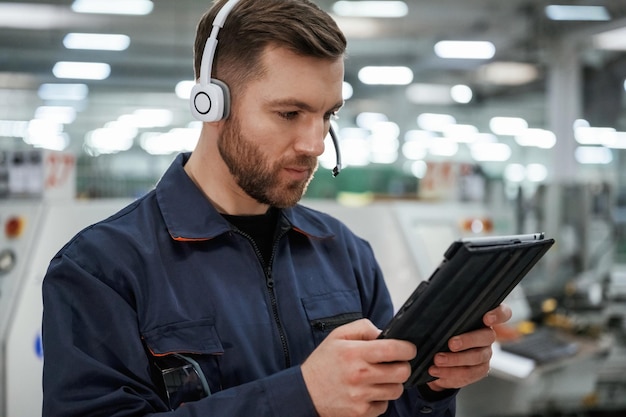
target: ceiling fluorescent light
356 151
512 126
461 94
540 138
416 144
580 123
109 140
386 75
46 134
387 130
148 118
174 141
419 169
32 16
128 7
360 28
414 150
508 73
421 93
63 92
367 120
561 12
465 49
60 114
536 172
593 155
614 40
96 41
587 135
82 70
13 128
515 172
183 89
461 133
55 142
618 141
490 152
435 122
371 8
347 90
443 147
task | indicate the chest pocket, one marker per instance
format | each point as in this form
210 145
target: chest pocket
195 342
326 312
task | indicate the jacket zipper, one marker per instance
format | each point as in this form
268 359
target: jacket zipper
269 283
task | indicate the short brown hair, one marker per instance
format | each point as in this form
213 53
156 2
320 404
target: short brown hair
252 25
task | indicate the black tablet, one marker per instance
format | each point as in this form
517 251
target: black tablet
474 277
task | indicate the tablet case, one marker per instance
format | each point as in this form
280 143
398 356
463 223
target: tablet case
474 277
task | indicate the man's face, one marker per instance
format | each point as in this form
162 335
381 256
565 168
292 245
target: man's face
278 124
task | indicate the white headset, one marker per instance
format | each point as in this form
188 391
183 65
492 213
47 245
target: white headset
210 98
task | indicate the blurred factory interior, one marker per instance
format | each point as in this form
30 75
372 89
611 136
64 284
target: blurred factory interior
522 129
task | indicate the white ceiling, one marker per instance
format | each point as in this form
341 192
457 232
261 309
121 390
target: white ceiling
160 55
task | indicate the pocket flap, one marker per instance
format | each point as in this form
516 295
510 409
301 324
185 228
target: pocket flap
197 337
332 304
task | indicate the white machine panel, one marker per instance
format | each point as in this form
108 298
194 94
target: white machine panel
33 231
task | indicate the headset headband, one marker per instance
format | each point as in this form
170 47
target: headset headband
206 65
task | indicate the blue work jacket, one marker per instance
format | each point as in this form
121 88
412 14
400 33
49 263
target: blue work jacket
168 274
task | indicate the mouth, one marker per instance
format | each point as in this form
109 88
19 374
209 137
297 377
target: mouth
299 173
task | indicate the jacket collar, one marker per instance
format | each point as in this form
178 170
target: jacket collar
190 216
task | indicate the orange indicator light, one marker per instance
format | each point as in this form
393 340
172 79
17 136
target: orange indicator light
14 227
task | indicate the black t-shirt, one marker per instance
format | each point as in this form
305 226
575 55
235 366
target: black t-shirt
261 228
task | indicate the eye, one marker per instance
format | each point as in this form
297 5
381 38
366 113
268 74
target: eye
289 115
331 115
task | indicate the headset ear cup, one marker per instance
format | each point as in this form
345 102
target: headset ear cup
225 96
207 102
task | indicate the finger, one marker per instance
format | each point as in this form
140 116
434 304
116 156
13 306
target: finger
380 375
357 330
498 315
457 377
474 339
471 357
388 392
389 350
375 408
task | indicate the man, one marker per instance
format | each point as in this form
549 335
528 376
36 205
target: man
216 294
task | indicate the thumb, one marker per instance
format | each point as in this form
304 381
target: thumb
362 329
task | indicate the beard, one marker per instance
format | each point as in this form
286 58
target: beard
256 174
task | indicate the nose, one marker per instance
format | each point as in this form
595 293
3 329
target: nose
310 140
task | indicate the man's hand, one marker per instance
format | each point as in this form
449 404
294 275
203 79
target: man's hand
351 374
468 359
